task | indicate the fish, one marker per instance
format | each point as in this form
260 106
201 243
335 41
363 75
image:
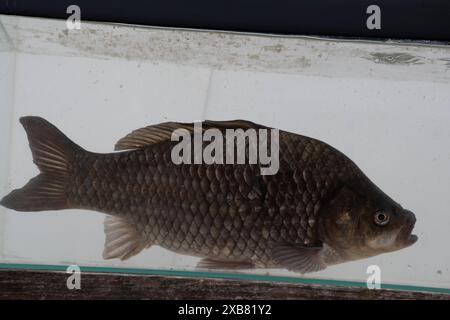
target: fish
319 209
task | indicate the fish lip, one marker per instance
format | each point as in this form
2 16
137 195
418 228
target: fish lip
405 235
407 241
412 239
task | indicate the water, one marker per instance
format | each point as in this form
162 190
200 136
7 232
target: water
385 105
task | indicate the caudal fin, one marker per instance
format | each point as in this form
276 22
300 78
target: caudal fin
54 154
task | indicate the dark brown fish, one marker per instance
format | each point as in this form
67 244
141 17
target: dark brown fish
319 209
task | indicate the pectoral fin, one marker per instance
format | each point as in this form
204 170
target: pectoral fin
298 258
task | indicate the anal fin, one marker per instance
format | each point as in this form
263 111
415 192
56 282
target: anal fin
211 263
122 239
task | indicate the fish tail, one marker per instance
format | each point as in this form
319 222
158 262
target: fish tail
54 155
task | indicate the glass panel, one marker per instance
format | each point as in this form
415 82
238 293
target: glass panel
384 105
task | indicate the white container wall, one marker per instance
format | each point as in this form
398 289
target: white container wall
385 105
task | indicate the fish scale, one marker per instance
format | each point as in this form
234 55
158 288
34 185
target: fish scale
184 215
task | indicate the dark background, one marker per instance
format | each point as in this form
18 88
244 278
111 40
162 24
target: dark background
401 19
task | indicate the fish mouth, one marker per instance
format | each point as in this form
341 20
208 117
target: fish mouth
412 239
406 237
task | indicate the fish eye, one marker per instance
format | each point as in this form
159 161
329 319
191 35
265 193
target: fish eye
381 218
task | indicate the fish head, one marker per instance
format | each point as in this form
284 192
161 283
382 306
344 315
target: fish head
358 225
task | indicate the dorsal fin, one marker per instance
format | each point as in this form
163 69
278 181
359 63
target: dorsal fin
150 135
161 132
232 124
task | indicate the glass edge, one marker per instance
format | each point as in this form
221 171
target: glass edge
212 275
327 38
